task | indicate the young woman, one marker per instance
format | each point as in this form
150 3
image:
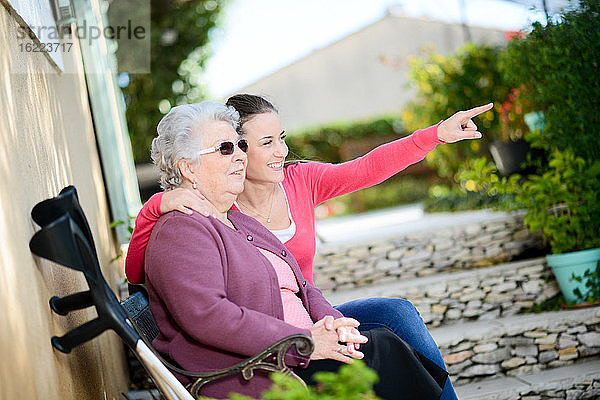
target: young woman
283 198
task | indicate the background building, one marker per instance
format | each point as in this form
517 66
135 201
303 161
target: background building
364 74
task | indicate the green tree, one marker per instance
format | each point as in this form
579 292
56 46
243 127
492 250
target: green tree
558 66
180 34
446 84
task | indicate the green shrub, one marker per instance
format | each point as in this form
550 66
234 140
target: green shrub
444 85
563 202
324 143
557 67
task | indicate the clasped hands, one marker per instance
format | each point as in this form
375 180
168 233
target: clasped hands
337 339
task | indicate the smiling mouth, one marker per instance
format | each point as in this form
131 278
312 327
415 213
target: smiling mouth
239 172
275 165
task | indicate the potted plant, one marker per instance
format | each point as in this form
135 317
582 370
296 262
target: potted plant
564 203
555 66
509 150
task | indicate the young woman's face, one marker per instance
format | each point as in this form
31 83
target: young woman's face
266 148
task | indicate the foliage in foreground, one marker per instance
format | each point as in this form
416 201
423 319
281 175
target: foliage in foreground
352 382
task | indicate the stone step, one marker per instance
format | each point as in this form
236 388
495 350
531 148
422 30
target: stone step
427 252
578 381
523 343
477 294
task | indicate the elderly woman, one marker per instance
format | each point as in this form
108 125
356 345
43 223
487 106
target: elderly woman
223 288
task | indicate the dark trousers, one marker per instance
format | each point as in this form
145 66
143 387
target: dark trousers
401 317
403 372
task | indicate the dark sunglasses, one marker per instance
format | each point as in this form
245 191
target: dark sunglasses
226 148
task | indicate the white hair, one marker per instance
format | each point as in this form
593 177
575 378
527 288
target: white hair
175 142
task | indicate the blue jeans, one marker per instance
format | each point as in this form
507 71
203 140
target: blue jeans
402 318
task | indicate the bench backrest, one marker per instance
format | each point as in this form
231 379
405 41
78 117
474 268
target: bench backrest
138 309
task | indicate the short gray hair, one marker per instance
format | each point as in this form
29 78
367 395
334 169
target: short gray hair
174 141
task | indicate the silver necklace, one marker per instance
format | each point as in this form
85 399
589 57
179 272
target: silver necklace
268 217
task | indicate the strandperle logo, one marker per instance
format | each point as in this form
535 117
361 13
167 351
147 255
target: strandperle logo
129 31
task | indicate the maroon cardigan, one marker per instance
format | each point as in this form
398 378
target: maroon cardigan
216 299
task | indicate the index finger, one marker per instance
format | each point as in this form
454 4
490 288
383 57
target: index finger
478 110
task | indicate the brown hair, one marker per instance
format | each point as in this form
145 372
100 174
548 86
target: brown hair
249 105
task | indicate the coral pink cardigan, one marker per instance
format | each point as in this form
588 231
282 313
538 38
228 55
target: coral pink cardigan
306 186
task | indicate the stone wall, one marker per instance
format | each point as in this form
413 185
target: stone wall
423 253
483 293
549 340
579 391
486 297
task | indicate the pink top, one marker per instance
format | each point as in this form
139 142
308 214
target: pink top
294 312
306 186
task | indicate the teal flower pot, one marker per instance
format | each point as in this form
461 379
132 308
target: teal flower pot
576 262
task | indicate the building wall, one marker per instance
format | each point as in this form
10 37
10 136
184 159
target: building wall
362 75
47 142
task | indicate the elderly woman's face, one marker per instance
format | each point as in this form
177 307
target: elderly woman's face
219 176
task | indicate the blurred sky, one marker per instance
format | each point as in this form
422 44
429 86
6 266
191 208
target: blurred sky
257 37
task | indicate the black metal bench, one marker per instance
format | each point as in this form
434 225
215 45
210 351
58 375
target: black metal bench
65 238
271 359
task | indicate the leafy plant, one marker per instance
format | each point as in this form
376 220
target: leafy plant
592 283
352 382
556 68
446 84
479 185
130 225
554 303
563 202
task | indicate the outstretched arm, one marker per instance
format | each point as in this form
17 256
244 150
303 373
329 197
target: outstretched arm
331 180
